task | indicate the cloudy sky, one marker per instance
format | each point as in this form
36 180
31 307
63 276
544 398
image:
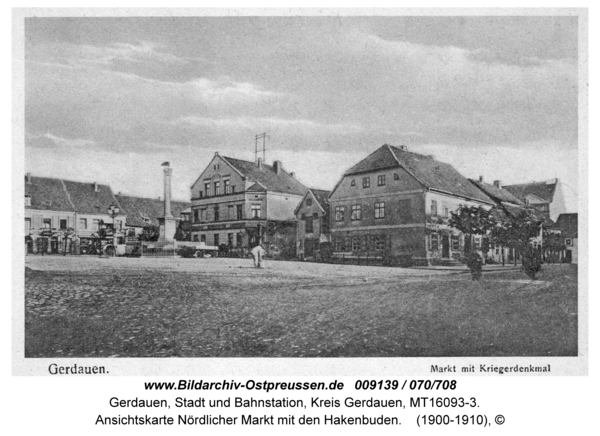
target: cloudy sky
110 99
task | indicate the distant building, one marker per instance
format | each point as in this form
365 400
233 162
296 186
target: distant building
239 203
546 198
396 204
55 208
144 212
312 230
567 223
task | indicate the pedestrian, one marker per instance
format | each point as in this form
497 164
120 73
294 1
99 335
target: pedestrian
258 254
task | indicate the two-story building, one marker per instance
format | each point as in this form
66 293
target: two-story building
546 197
55 208
567 224
239 203
312 228
396 203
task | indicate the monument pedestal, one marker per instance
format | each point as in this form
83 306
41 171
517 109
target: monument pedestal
167 228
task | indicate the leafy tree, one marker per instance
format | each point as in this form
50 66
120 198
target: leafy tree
553 244
472 220
516 231
150 233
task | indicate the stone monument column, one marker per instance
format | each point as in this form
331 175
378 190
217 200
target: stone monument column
168 224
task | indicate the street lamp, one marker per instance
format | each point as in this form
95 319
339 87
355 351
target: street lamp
113 211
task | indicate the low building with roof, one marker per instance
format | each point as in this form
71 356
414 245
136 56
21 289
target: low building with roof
145 212
567 223
545 197
312 228
55 208
237 204
395 204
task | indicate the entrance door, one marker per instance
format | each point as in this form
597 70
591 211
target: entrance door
309 248
445 246
569 256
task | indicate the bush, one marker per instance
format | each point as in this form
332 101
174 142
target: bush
532 262
475 264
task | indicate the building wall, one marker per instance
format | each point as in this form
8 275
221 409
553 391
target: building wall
558 204
319 225
37 218
281 207
218 170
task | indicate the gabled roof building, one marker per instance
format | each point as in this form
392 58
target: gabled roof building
239 203
313 222
545 197
396 204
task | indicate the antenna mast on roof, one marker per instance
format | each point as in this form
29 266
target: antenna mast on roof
262 136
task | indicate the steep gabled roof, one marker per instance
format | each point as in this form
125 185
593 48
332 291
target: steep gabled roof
496 193
542 190
87 200
48 194
567 222
430 173
139 207
322 198
267 177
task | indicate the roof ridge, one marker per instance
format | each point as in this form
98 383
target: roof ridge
64 186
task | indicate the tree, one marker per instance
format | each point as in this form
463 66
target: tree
150 233
472 220
516 231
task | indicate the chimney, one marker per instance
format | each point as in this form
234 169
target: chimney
481 179
293 175
497 184
277 166
28 178
259 162
95 187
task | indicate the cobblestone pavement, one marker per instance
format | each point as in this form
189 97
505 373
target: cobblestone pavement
87 306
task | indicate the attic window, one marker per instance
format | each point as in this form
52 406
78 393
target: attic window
396 176
309 201
353 182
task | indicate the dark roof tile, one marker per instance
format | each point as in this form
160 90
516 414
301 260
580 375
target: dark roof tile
543 190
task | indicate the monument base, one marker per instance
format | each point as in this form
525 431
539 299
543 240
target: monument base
167 229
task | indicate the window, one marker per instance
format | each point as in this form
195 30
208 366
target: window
207 189
379 243
445 209
353 182
309 201
433 241
366 182
338 244
196 215
405 211
339 213
47 223
227 187
568 242
147 220
239 239
96 225
455 243
255 210
433 208
396 176
230 239
379 210
27 226
217 186
308 224
27 200
232 189
381 180
356 212
82 223
203 238
200 194
216 239
477 240
357 243
239 211
216 212
230 212
203 215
